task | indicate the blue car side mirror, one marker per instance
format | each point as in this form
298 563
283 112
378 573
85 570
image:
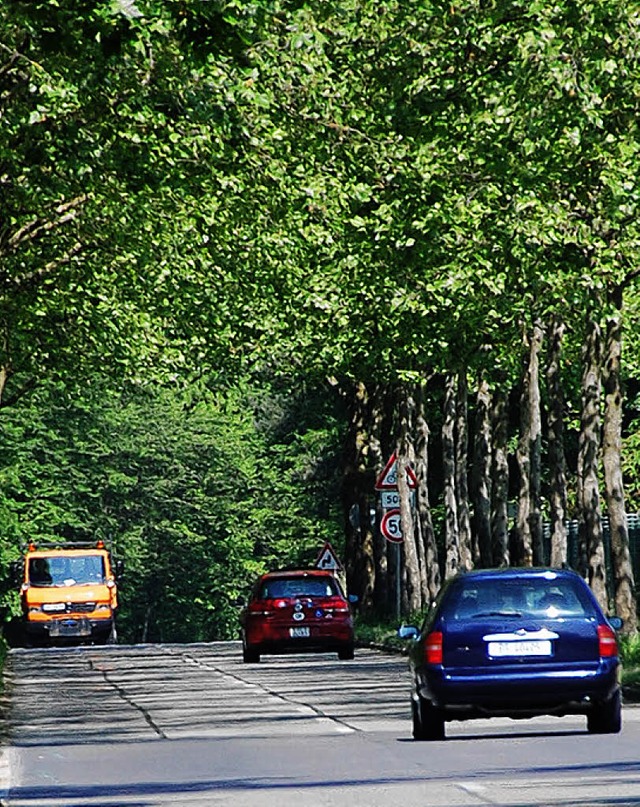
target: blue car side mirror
408 632
615 622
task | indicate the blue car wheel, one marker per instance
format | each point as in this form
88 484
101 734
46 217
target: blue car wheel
428 721
606 718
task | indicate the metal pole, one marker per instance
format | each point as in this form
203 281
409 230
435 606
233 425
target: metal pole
398 597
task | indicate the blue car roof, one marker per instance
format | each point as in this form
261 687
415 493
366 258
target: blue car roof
518 572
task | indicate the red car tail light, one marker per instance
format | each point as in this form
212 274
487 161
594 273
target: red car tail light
607 644
433 648
267 607
336 605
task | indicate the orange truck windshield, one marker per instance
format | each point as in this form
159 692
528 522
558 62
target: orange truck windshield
66 571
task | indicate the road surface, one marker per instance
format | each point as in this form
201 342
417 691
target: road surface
190 725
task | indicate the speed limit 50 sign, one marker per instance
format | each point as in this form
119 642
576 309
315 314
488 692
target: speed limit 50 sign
391 526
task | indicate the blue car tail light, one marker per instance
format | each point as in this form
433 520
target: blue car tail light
433 648
607 644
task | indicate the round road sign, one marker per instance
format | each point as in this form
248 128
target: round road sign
391 526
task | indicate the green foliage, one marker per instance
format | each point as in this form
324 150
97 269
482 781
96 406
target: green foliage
304 190
631 455
346 188
630 651
383 633
197 493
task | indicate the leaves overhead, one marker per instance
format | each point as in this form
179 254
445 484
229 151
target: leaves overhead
376 190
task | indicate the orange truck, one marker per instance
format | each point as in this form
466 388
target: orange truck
68 594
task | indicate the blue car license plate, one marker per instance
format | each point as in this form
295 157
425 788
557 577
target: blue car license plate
520 648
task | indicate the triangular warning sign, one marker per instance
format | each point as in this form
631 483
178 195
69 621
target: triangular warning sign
388 479
327 559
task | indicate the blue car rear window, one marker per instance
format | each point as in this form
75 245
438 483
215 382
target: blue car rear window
531 596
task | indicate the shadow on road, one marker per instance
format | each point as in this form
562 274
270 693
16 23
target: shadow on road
143 794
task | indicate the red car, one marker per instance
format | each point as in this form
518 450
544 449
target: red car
300 611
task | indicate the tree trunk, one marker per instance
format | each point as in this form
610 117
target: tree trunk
432 566
405 455
500 486
381 418
357 490
5 360
535 446
4 377
521 550
420 499
145 625
452 547
412 567
461 466
481 478
527 548
415 404
625 602
588 448
555 437
422 552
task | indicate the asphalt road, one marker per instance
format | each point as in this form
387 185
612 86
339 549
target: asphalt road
188 725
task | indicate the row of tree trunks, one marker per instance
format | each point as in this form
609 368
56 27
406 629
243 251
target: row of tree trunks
475 485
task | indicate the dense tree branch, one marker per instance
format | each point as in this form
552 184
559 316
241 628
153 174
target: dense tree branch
15 396
66 212
32 278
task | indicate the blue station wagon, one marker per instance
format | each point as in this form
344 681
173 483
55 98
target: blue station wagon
514 643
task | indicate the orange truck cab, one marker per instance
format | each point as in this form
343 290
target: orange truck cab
68 593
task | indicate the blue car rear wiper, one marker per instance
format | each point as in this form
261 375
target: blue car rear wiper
497 613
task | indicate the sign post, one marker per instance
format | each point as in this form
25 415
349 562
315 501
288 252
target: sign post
327 559
391 524
388 479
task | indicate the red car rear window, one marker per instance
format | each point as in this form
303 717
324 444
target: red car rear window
298 587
